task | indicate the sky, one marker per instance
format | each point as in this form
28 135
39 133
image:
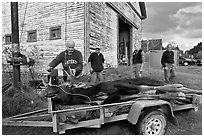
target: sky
177 22
174 22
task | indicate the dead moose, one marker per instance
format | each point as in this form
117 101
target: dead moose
111 91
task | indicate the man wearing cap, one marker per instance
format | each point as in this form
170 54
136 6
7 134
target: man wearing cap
96 59
167 62
71 60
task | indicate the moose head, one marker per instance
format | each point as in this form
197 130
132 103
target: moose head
63 94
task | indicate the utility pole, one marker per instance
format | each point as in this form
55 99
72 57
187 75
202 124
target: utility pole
15 44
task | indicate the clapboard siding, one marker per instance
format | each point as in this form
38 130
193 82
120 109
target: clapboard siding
104 28
87 23
41 16
127 12
103 31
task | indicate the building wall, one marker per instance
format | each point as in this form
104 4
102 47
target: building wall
103 31
104 23
87 24
126 11
41 16
137 36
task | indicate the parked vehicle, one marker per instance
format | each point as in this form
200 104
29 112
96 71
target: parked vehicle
199 62
186 61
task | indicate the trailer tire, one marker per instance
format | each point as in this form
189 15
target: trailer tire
152 123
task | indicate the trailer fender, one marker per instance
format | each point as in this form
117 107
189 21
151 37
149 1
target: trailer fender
135 112
168 111
137 108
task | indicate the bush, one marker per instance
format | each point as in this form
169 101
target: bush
15 101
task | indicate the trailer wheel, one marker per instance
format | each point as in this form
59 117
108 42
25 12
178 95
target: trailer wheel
152 123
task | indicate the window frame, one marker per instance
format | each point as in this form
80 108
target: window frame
28 35
54 29
8 35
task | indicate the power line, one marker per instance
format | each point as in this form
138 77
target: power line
23 21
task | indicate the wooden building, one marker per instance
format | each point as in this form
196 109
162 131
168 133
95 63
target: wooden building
44 27
152 44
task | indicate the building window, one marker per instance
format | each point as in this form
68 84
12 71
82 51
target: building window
32 36
8 39
55 33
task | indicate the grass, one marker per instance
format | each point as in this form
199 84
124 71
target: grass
15 101
189 76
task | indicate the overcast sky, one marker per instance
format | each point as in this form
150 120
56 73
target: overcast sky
180 22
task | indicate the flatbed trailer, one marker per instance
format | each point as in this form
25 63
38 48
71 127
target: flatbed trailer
148 115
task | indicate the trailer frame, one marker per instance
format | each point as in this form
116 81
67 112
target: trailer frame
137 106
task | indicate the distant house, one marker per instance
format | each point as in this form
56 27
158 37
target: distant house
153 44
155 50
45 27
154 58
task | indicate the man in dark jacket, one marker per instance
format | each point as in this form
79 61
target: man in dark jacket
71 60
96 59
167 62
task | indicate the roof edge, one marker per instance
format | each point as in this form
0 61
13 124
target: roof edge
143 10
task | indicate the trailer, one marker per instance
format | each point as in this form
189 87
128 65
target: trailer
149 115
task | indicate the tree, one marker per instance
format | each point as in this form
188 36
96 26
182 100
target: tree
199 55
195 49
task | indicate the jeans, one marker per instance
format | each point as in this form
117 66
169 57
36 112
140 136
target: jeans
137 70
169 73
96 77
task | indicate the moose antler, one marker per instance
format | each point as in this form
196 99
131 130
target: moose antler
46 84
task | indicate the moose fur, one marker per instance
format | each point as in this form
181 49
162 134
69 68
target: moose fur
66 95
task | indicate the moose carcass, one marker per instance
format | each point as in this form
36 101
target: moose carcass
66 94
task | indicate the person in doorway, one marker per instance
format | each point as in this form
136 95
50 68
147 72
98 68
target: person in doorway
71 60
96 59
167 62
138 61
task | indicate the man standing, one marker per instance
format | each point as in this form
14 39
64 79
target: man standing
167 62
71 60
138 61
96 59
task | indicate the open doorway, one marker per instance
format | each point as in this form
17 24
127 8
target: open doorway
124 47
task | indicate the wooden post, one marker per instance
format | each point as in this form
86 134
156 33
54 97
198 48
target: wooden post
55 122
15 43
102 117
49 101
54 116
86 32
